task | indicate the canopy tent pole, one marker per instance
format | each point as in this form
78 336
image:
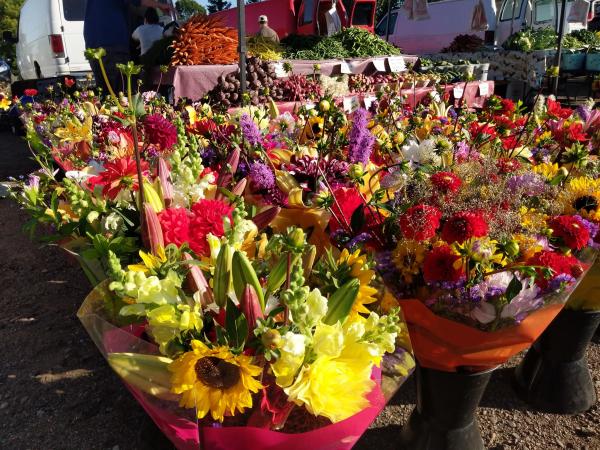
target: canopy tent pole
387 23
561 32
242 45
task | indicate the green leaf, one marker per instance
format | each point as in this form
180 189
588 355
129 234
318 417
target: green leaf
235 324
340 303
513 289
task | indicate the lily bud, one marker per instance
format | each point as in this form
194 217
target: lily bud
251 308
263 219
196 282
239 188
152 235
166 187
229 168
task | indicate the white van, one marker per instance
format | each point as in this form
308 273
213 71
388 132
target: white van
449 18
50 40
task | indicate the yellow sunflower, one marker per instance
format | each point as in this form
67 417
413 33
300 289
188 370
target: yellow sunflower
214 380
408 258
360 270
582 196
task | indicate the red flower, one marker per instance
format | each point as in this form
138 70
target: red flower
203 127
559 263
555 110
420 222
482 131
508 165
446 182
571 230
69 82
207 217
464 225
160 132
440 265
508 106
348 200
175 224
503 123
31 92
118 175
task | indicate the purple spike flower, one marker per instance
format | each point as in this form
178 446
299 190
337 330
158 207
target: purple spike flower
361 139
261 176
250 130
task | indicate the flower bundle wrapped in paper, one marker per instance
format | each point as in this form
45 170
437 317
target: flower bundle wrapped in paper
492 230
255 333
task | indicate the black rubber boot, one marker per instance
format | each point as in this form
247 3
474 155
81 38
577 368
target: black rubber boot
444 418
554 376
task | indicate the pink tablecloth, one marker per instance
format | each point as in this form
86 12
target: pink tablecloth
194 82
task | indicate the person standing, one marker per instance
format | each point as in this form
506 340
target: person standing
106 26
265 30
148 33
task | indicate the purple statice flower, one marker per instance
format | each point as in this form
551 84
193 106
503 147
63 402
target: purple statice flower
530 184
360 138
209 157
243 169
583 112
559 281
444 120
361 238
152 152
436 130
250 130
261 176
541 154
33 182
452 113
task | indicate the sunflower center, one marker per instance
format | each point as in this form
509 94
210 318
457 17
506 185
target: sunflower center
586 202
216 373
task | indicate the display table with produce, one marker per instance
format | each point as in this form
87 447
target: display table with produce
194 82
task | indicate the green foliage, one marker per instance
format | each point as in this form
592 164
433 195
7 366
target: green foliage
348 43
9 18
218 5
187 8
529 39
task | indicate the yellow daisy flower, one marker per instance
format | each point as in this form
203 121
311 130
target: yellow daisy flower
214 380
359 270
408 258
582 196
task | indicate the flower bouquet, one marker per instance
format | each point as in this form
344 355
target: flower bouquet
252 341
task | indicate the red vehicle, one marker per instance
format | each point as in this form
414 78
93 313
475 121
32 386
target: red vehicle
302 16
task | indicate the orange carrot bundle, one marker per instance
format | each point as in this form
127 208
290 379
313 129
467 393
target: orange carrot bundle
204 40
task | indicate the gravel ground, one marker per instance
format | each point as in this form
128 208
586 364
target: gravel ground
56 391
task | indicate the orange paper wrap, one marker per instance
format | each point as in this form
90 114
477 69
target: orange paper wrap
443 344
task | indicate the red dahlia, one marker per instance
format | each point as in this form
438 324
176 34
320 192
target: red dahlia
420 222
160 132
559 263
571 230
207 217
441 265
446 182
464 225
175 224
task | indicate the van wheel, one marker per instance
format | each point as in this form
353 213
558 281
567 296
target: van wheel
38 71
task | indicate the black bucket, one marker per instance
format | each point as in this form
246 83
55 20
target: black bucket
444 418
554 375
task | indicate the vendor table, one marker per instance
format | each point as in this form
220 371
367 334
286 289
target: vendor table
194 82
528 67
475 94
